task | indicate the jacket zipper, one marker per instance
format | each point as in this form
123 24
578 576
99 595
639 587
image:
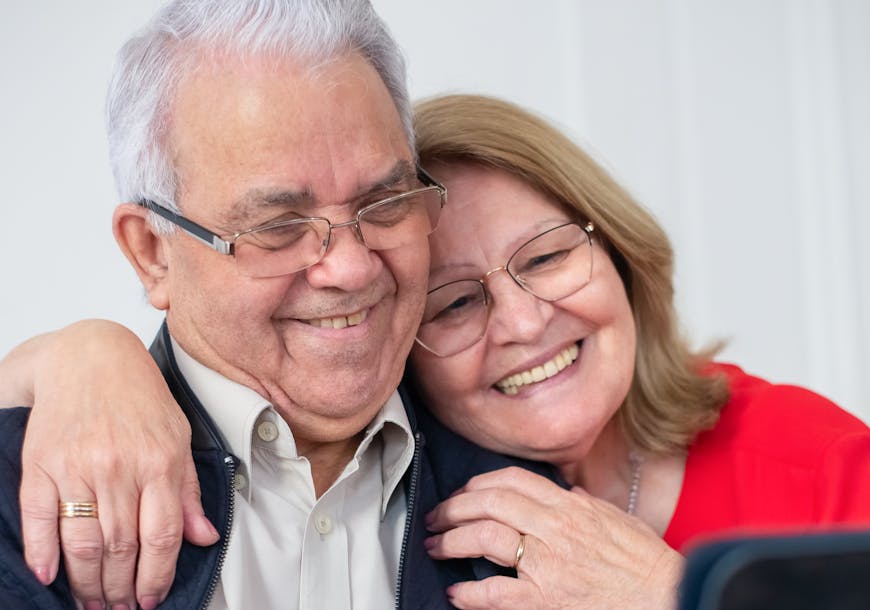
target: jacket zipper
230 464
409 518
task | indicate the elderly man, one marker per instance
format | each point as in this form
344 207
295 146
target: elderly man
275 213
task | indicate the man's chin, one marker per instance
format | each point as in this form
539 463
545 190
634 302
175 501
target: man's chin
336 419
342 394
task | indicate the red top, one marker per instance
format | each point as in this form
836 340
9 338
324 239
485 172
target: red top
780 459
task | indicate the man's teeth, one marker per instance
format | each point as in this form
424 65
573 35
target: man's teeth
511 385
341 321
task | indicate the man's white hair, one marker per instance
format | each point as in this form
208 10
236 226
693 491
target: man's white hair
150 66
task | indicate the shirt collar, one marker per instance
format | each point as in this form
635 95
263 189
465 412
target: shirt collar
397 448
234 407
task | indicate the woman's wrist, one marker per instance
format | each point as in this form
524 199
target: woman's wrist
17 371
21 367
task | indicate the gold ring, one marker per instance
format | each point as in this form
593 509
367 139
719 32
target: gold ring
77 509
520 550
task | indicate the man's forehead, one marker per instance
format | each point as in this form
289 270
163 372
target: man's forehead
249 87
277 134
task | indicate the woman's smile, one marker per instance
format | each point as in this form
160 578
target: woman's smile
512 384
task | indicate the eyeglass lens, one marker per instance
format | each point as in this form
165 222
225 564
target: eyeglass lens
550 266
293 245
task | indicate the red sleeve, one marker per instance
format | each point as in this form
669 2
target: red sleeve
843 481
780 459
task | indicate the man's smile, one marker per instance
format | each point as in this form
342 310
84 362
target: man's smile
339 321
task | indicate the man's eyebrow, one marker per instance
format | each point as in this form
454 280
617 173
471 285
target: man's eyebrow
248 207
255 200
402 172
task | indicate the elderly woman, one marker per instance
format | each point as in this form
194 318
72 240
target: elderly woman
549 333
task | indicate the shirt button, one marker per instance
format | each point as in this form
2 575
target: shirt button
323 524
267 431
239 482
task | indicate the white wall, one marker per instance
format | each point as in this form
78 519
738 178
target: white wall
743 125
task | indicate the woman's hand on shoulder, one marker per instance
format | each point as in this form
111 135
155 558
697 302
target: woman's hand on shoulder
105 428
578 551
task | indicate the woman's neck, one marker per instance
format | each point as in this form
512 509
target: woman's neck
607 472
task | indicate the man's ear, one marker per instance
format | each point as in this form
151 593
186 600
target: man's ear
145 250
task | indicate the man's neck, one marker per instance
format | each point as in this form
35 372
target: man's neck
328 460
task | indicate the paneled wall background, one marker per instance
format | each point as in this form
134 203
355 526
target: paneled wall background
744 125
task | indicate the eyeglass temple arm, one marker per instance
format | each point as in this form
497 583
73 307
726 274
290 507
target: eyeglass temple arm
212 240
427 179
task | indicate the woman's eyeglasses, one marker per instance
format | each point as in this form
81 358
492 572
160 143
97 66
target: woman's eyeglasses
551 266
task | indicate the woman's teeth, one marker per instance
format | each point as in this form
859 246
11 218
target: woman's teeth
511 385
341 321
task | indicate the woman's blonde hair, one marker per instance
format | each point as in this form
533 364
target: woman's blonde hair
671 399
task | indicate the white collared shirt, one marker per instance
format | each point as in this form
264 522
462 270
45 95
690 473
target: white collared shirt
288 548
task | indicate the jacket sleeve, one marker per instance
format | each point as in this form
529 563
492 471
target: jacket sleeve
18 586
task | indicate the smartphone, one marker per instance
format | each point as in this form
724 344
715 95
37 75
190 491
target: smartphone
797 572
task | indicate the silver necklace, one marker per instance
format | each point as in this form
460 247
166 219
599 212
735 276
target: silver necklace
635 459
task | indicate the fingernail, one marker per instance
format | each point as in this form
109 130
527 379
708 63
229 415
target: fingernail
429 542
94 604
120 607
451 592
430 518
149 602
43 575
212 529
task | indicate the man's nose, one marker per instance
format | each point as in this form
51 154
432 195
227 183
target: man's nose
348 263
517 316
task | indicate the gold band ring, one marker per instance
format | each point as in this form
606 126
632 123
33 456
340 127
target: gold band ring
520 550
77 509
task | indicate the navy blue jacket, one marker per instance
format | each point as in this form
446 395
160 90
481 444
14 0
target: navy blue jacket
442 463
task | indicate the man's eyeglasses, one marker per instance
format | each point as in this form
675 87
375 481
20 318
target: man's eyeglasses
292 245
551 266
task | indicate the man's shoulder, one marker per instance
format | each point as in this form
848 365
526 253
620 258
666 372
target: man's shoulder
18 586
13 422
454 459
13 419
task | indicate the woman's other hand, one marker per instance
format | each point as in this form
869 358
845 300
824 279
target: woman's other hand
104 427
579 551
